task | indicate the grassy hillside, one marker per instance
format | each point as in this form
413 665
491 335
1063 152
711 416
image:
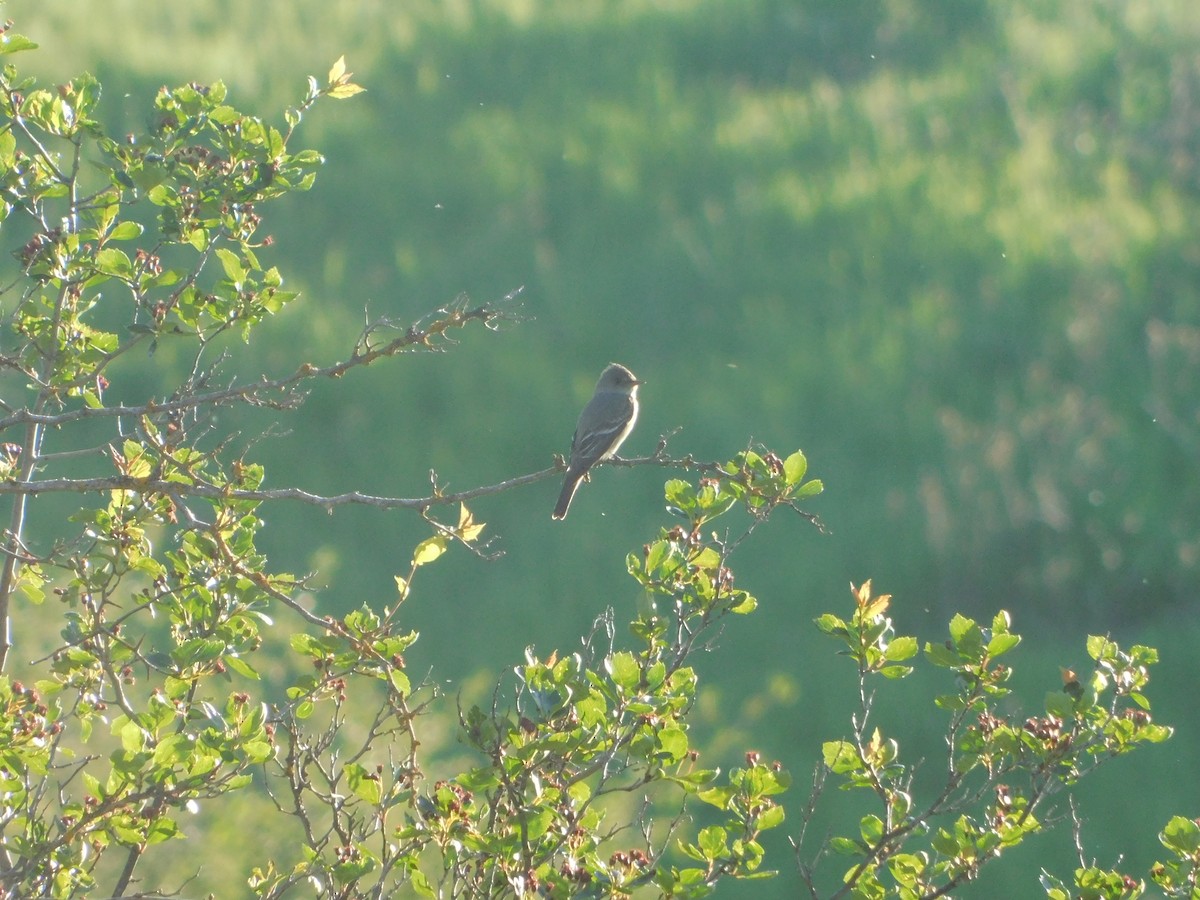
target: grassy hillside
950 253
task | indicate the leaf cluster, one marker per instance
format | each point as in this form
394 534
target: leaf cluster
1000 771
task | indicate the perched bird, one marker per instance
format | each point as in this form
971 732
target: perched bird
604 423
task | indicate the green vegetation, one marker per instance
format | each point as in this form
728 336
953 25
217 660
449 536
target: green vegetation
949 252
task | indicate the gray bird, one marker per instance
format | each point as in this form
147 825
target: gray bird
604 423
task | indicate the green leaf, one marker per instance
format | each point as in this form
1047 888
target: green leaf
364 784
744 603
831 624
421 884
846 846
1060 704
133 736
1155 734
198 238
658 552
623 668
10 42
1181 836
901 648
656 675
712 841
771 818
942 656
400 682
537 822
125 231
224 115
718 796
111 261
232 265
841 757
429 550
197 650
8 149
949 701
33 593
242 667
809 489
162 829
907 868
680 495
342 91
479 779
337 70
1099 647
794 468
966 636
691 781
1143 656
306 644
946 843
354 868
1001 644
763 781
361 621
1054 887
673 743
258 752
871 829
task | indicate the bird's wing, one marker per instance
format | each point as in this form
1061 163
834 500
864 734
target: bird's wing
605 436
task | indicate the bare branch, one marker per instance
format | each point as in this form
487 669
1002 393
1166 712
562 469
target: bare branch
355 498
422 335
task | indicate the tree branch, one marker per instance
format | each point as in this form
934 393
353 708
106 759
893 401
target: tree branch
418 335
351 498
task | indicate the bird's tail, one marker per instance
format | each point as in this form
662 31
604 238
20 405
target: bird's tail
570 485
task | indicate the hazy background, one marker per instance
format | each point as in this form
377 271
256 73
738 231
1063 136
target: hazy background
949 250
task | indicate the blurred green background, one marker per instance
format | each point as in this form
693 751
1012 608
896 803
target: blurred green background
949 249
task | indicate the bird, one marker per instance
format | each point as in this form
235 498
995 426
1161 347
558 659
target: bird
603 425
